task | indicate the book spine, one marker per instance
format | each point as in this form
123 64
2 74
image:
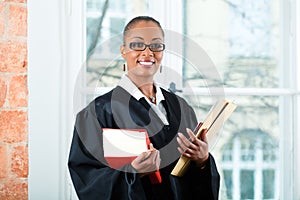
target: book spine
181 166
155 177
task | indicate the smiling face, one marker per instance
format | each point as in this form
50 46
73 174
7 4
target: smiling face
142 64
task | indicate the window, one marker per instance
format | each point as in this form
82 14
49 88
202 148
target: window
253 53
250 165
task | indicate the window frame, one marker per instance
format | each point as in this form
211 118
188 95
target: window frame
290 91
236 165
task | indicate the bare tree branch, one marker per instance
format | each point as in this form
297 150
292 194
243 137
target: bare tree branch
98 33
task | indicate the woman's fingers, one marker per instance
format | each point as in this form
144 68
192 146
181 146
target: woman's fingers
157 160
203 136
143 156
184 145
183 141
194 148
147 161
191 134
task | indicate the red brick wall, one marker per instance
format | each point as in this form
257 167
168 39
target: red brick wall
13 100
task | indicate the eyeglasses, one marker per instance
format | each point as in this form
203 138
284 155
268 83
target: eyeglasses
139 46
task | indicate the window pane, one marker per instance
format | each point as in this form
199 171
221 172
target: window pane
268 184
228 182
227 152
242 37
269 150
116 27
247 184
105 23
247 147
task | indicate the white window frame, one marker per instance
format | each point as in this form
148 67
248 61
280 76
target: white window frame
257 166
297 98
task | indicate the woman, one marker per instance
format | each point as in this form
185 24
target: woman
137 102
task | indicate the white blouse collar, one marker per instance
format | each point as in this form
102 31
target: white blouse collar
131 88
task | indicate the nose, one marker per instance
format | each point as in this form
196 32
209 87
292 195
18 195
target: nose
147 52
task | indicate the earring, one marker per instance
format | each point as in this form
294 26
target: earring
160 68
124 67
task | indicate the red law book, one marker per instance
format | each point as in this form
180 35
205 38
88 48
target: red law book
122 146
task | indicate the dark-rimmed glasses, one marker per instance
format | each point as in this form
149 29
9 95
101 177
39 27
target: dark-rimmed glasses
140 46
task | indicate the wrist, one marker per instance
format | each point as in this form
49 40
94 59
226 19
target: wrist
201 163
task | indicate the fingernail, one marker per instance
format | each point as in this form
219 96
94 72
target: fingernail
190 130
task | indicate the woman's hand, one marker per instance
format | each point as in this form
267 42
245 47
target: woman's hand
147 162
194 148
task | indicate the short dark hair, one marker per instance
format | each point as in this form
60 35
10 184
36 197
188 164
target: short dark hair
137 19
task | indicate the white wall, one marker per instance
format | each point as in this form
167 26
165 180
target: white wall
51 80
44 65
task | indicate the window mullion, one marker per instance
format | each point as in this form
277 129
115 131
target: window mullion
296 69
258 169
211 91
236 169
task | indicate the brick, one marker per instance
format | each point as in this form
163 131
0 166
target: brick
13 126
3 91
13 56
16 1
14 190
3 162
2 21
18 92
17 21
19 161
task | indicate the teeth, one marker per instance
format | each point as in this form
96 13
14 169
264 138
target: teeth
146 63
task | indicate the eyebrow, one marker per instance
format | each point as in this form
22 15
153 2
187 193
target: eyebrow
137 37
156 39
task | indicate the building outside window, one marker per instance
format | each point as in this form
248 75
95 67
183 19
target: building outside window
250 165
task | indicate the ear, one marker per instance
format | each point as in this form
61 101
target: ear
122 51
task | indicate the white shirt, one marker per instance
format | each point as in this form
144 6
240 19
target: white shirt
158 108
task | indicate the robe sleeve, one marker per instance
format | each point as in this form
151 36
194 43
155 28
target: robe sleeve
206 179
203 183
91 176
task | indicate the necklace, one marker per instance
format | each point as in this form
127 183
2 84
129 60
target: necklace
152 98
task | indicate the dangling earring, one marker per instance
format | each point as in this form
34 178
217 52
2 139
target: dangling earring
160 68
124 67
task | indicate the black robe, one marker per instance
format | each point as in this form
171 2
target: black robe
93 179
